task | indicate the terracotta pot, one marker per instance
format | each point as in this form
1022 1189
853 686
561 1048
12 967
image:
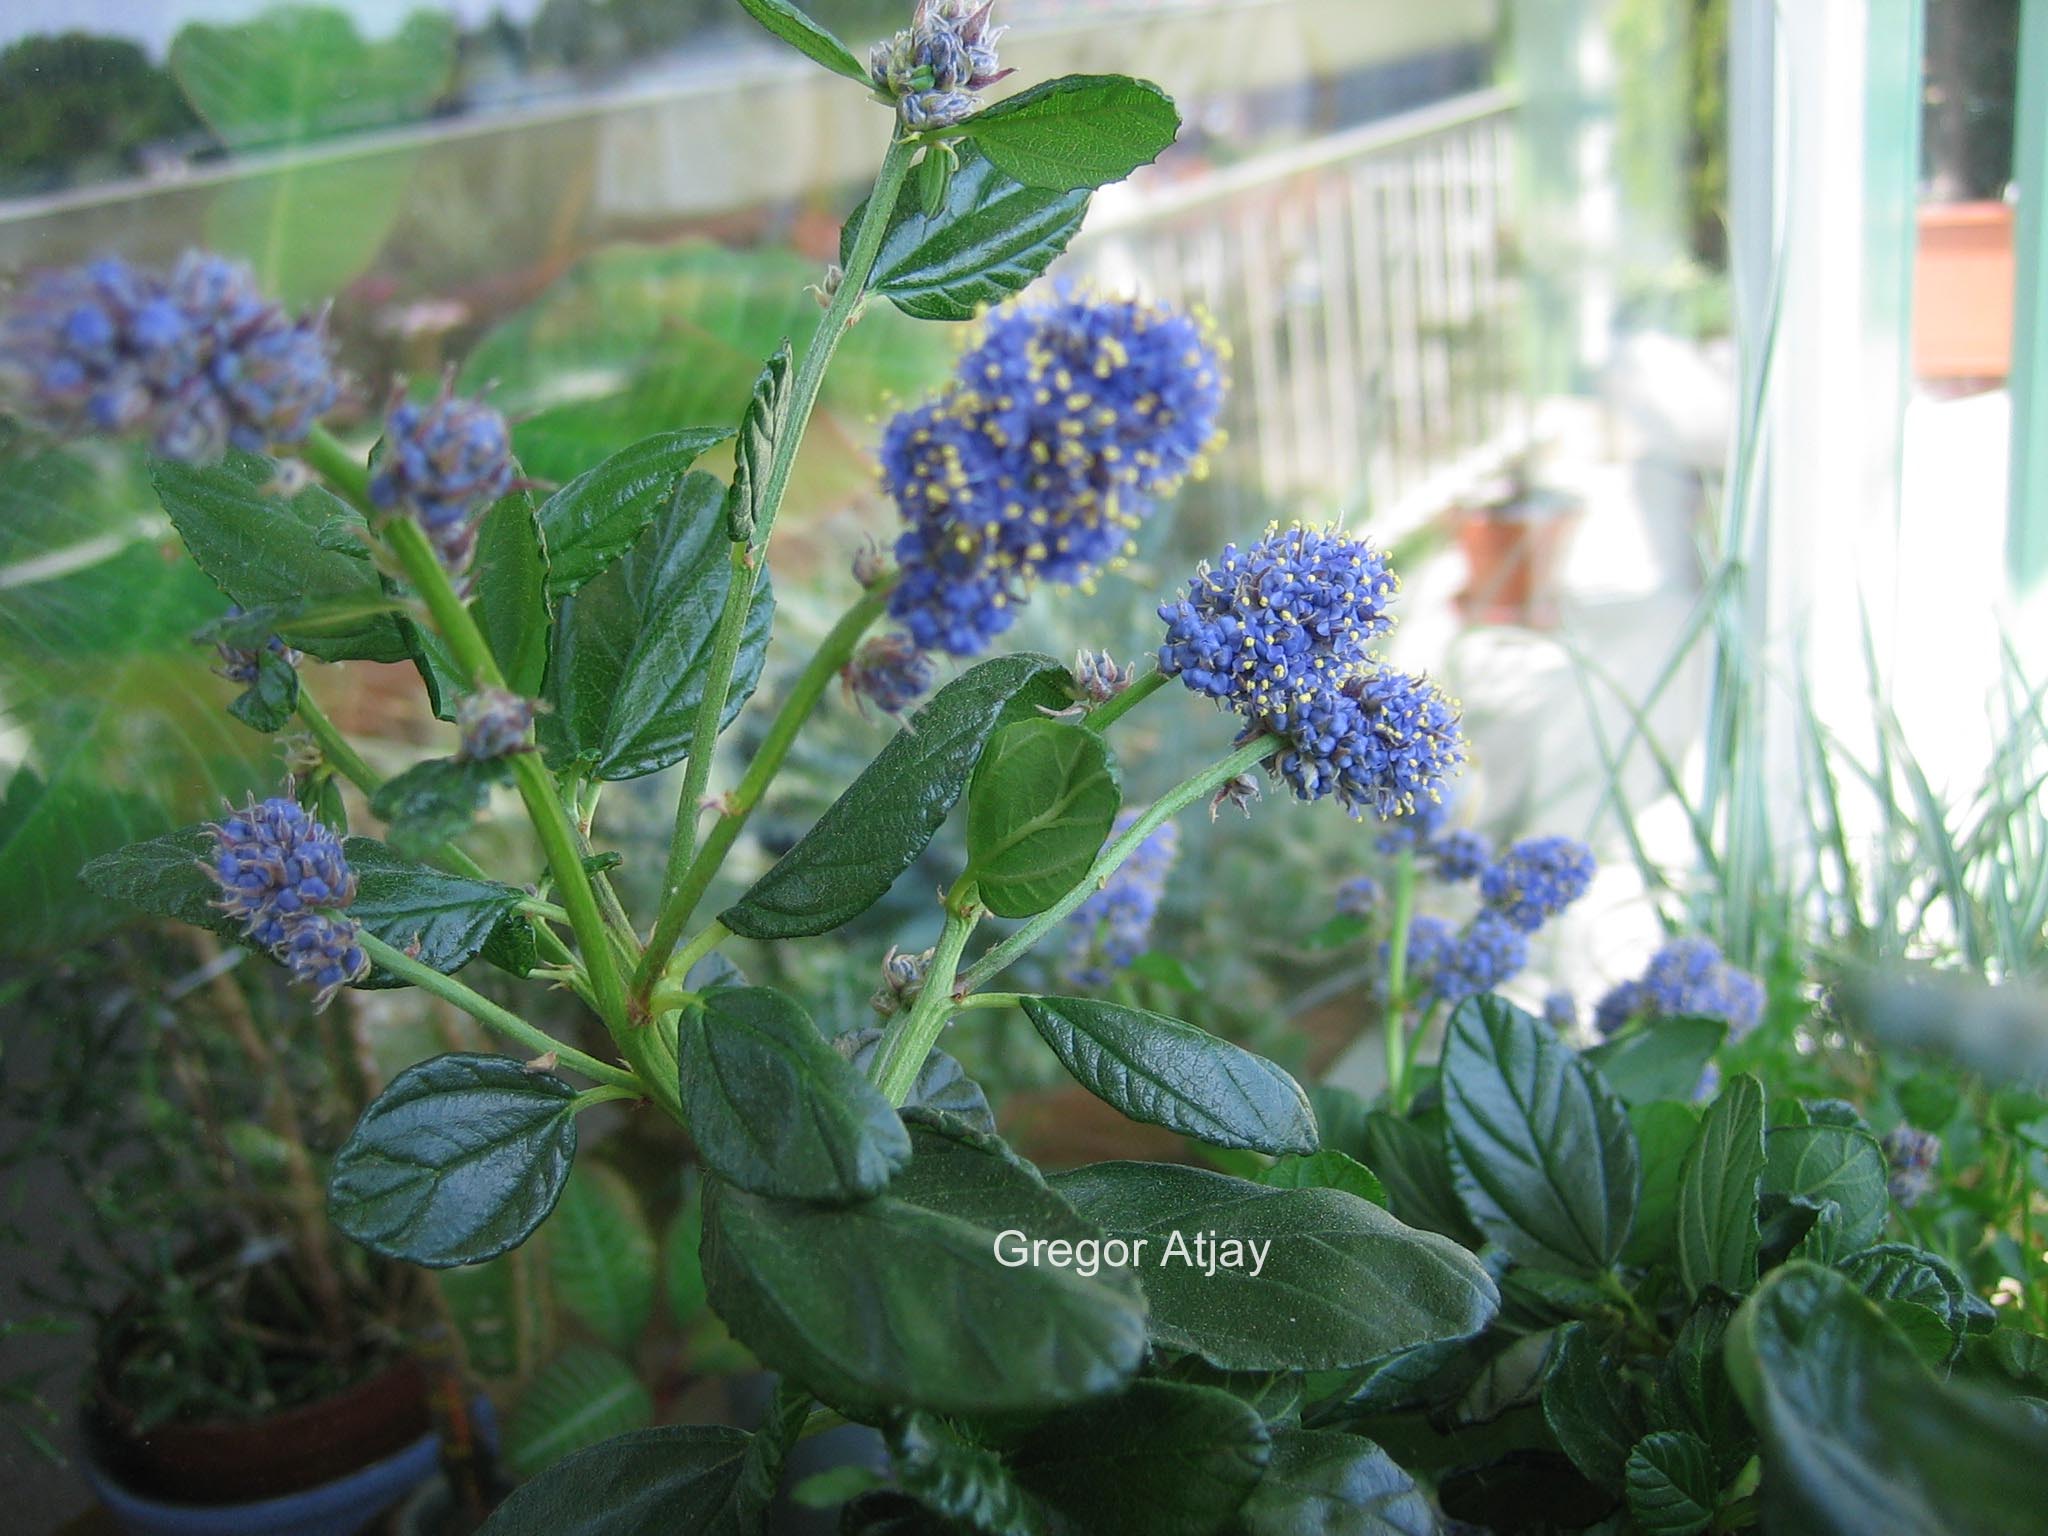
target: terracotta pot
234 1461
1963 293
1511 564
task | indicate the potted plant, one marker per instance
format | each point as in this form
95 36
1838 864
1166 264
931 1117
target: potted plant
1512 530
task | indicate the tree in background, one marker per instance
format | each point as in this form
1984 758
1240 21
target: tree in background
74 105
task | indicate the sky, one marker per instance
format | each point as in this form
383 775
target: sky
153 23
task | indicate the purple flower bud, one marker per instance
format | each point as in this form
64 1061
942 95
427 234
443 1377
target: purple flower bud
443 463
1360 896
903 975
1097 677
284 879
933 68
892 671
242 665
494 724
1912 1154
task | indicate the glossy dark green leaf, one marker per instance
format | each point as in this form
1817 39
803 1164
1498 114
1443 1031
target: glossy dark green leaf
1541 1150
1900 1276
1412 1164
1660 1059
1327 1169
600 1256
653 1482
264 550
442 919
1511 1378
1671 1484
1859 1436
883 1305
598 516
1810 1165
1163 1072
1076 131
434 801
765 420
269 703
876 830
1324 1484
1664 1134
509 586
580 1398
458 1160
1693 1392
1161 1457
1590 1409
960 1481
631 648
942 1083
1039 808
1717 1192
1339 1282
806 36
775 1109
992 237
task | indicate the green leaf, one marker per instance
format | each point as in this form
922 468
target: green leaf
653 1482
1809 1165
1541 1151
1077 131
806 37
1327 1169
775 1109
631 648
992 238
269 703
942 1083
1511 1378
601 1258
1898 1276
1039 809
267 551
1693 1392
1163 1072
581 1397
874 1307
1590 1409
1859 1436
435 801
682 1271
1417 1174
443 920
1339 1282
886 817
1661 1059
933 173
509 576
1324 1484
455 1162
598 516
766 418
1161 1457
963 1482
1671 1487
1717 1193
1664 1134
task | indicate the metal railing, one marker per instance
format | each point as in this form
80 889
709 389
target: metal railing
1367 287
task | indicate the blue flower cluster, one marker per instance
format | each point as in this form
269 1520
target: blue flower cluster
197 361
932 68
1686 978
1912 1154
891 671
1113 926
1459 855
1561 1011
1459 963
1282 633
284 879
1536 879
1063 424
1416 832
495 723
442 463
1360 896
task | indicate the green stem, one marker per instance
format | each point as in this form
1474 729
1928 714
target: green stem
668 994
340 466
610 1093
1106 714
544 806
833 653
1164 809
1397 982
910 1036
992 1000
499 1020
335 747
748 555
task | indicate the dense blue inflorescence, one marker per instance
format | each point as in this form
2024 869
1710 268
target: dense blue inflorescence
1062 426
1460 854
1687 977
1281 633
442 463
933 67
197 361
1113 926
1536 879
1912 1154
891 672
284 879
